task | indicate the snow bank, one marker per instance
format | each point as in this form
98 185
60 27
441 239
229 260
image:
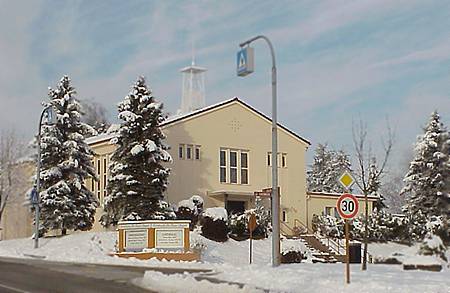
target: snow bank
160 282
230 262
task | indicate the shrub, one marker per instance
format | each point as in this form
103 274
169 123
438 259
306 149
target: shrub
190 209
214 224
238 227
292 257
239 224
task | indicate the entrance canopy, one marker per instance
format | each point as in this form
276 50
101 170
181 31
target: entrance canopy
234 201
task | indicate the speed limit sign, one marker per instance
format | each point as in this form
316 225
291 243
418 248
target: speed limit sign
347 206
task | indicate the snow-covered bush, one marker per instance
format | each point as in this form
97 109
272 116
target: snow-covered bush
190 209
292 257
238 227
214 224
292 251
328 226
238 224
433 244
382 227
198 244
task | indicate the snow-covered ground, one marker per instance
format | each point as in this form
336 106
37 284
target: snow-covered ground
229 262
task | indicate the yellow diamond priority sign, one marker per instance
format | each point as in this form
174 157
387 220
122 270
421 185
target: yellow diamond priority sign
346 179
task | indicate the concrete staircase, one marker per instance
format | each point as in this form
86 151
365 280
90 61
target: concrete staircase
321 252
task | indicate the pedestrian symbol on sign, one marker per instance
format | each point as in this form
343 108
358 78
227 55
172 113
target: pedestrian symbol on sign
245 61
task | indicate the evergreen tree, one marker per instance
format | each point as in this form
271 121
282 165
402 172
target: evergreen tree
428 179
328 165
137 177
66 203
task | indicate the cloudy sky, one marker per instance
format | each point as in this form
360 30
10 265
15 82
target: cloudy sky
337 60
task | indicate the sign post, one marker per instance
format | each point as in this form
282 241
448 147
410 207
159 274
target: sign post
244 68
251 228
347 206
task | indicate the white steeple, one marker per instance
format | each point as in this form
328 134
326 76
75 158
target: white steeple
193 91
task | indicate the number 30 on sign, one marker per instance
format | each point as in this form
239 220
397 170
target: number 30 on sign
347 206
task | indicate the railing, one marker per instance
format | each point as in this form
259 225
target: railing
336 245
333 244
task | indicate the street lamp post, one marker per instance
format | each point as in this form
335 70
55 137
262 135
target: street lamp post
275 195
36 199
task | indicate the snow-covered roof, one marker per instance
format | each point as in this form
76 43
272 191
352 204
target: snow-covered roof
100 138
177 117
332 194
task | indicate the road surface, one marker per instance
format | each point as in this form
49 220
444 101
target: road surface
30 275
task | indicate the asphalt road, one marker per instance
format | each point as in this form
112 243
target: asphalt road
36 275
30 275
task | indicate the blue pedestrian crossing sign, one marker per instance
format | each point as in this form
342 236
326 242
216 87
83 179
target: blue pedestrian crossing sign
34 196
245 62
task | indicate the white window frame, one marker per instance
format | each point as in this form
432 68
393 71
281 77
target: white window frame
224 167
228 168
181 151
198 149
191 147
283 160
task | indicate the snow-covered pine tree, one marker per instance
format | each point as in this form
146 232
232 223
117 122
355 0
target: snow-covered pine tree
137 178
328 165
428 179
66 203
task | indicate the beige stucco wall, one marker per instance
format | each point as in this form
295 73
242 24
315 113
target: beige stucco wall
234 126
17 219
316 205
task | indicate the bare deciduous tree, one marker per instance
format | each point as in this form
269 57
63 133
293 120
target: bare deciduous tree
95 115
365 157
11 150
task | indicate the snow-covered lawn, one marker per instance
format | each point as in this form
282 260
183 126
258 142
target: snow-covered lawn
229 262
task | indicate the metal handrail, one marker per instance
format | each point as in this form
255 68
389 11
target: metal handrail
335 245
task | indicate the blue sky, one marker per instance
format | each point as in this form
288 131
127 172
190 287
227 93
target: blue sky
338 61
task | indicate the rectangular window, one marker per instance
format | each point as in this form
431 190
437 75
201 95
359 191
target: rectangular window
269 159
104 181
104 165
98 167
181 151
197 152
336 213
284 218
223 166
236 164
283 160
189 152
244 168
329 211
92 184
233 167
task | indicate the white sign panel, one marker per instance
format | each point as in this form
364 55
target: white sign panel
173 238
136 239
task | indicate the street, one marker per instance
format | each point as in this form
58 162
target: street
30 275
